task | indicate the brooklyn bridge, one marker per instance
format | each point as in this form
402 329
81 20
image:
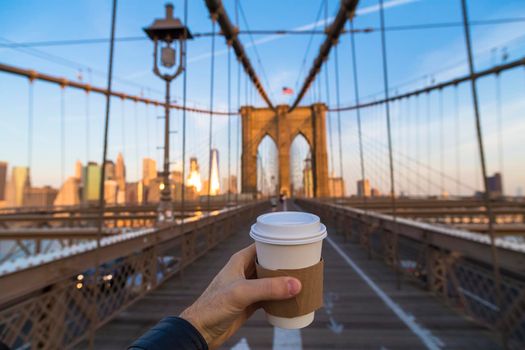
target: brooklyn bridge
141 140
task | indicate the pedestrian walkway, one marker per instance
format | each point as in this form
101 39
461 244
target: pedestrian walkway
363 308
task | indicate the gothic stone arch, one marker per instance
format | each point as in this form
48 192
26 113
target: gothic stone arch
283 127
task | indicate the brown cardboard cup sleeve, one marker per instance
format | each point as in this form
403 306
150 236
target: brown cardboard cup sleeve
309 299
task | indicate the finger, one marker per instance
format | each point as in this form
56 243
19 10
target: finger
245 258
246 254
248 292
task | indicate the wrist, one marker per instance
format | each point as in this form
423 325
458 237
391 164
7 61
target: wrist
190 316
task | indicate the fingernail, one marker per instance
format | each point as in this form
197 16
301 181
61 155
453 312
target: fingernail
294 286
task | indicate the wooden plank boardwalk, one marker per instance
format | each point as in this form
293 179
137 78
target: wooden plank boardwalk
364 309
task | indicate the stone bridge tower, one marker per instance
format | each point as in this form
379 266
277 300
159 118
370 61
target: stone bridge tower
283 127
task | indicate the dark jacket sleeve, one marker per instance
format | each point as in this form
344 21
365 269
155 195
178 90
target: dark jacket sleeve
171 333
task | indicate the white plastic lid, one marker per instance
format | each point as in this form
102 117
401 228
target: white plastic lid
288 228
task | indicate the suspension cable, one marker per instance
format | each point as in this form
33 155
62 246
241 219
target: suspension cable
137 156
441 142
88 132
308 47
476 75
62 135
101 202
429 144
458 163
358 113
123 126
347 7
229 122
87 87
409 140
148 145
338 97
389 134
30 118
258 57
479 135
499 115
330 134
239 126
212 83
329 117
184 101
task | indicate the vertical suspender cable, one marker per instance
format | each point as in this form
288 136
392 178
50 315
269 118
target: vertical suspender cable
479 134
458 163
88 136
390 157
330 138
500 123
212 81
123 125
62 134
441 143
239 121
338 97
184 98
30 117
137 156
409 149
101 202
148 145
229 121
429 133
418 149
239 131
358 113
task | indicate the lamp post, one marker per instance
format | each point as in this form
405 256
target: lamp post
168 31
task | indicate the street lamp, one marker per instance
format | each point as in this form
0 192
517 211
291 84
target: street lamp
168 31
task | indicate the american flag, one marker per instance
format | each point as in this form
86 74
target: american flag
287 91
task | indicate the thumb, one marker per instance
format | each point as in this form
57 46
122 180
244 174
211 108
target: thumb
249 292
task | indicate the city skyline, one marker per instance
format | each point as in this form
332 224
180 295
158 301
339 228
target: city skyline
82 186
135 128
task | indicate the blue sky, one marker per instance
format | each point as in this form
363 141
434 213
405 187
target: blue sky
414 58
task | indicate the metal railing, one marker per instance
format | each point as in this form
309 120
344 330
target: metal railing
454 264
58 304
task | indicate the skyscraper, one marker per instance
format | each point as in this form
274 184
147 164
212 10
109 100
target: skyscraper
109 171
215 187
69 194
3 180
78 169
495 185
19 182
176 184
336 186
91 177
194 177
110 192
363 188
230 185
120 177
149 171
39 196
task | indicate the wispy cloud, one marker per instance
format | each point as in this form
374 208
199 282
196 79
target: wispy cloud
309 26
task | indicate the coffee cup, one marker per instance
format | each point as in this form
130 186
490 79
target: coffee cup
291 242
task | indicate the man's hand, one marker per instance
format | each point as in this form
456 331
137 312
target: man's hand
232 297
